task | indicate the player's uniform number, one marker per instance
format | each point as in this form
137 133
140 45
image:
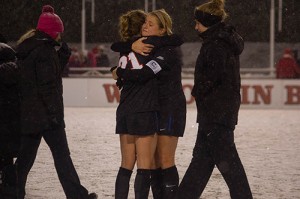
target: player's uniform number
123 61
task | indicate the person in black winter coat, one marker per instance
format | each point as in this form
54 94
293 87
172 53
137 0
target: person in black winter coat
217 94
9 116
42 109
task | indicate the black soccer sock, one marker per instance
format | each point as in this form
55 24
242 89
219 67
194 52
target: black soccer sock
142 183
122 183
156 183
170 182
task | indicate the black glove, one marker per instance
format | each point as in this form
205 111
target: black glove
119 83
113 68
64 49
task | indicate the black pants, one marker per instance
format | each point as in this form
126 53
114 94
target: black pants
215 146
57 142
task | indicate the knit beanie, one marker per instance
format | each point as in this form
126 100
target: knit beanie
49 22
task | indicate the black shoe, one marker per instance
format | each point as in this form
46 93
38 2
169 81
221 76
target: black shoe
92 196
7 192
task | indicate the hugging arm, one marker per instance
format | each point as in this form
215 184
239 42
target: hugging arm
137 46
150 68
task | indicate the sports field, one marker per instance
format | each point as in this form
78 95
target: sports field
268 142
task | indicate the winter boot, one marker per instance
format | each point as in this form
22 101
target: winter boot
92 196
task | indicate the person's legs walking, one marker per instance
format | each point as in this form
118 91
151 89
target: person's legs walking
26 157
57 141
199 170
230 165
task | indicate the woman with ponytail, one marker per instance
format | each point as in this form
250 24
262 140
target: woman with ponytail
217 94
136 117
41 106
153 80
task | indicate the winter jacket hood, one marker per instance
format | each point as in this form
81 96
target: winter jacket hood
225 33
31 43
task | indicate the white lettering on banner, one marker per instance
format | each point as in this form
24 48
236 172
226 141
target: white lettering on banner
260 92
112 93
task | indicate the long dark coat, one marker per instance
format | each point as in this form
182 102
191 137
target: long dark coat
41 86
217 76
9 103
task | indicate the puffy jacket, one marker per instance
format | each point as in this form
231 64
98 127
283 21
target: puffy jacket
41 86
217 76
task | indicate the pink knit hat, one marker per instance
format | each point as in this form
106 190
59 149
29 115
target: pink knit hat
49 22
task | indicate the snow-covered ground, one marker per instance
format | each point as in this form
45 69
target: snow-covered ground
268 142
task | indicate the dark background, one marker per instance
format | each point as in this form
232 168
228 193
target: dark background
251 18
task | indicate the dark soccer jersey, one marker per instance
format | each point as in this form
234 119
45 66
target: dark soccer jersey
164 64
137 96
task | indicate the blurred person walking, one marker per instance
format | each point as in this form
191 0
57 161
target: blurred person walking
9 119
217 94
42 110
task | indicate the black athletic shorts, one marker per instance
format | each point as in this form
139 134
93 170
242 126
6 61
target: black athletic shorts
172 118
144 123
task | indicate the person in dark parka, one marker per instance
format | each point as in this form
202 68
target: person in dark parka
9 116
217 94
42 109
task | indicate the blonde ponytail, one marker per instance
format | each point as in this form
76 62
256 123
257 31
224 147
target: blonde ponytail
27 35
214 7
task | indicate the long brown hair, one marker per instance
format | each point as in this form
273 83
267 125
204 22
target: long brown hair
130 24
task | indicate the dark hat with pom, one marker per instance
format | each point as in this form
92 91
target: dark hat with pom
49 22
